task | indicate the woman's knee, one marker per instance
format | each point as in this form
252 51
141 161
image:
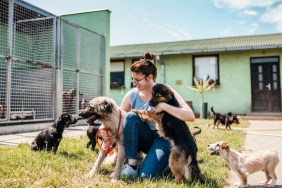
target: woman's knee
131 119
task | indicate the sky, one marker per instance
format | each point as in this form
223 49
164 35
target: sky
153 21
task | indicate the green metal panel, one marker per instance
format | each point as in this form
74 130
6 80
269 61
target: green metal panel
99 22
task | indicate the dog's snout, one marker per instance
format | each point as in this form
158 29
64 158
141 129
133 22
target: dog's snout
81 113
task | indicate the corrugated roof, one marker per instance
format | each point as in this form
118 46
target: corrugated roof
202 45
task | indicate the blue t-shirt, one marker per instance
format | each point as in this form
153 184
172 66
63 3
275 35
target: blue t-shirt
137 103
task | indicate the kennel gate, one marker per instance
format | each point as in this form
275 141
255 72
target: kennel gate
32 49
81 58
27 52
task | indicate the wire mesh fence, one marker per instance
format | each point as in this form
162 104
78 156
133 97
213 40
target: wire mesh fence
28 64
82 61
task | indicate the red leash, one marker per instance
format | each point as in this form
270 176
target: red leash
107 138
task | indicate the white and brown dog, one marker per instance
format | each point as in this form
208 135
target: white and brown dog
112 118
245 164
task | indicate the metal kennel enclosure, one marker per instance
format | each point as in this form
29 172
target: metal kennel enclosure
48 65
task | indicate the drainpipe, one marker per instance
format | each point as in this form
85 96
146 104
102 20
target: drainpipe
162 72
162 69
162 80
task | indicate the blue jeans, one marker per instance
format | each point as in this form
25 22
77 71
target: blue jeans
139 137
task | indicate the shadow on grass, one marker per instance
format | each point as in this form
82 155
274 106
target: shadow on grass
263 186
69 155
169 177
208 181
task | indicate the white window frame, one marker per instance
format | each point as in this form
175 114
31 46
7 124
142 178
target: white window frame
206 65
117 66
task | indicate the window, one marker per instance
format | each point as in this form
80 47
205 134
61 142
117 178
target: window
117 74
204 66
133 61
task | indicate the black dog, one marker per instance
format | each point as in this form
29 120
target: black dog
51 137
225 120
91 134
183 158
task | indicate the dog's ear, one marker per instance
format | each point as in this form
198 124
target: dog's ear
106 106
64 115
224 145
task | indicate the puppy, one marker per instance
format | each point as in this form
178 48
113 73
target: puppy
91 134
245 164
224 120
183 157
51 137
112 118
1 112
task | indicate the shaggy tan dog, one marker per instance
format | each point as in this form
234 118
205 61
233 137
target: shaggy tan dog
112 118
245 164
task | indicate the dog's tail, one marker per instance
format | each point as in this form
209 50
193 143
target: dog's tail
194 170
212 110
197 132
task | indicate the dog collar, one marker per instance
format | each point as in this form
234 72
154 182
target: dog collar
108 137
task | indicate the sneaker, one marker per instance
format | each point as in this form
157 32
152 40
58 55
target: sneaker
128 171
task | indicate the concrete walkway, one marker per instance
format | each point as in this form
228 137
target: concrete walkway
28 137
262 135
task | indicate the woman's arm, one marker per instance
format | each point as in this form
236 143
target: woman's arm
125 104
184 113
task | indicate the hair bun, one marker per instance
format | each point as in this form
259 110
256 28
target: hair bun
150 56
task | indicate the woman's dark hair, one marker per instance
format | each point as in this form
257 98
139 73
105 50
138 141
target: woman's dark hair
146 65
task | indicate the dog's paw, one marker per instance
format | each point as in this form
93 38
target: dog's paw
135 111
263 182
89 175
244 186
112 175
114 180
238 184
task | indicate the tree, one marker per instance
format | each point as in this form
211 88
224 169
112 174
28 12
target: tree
201 87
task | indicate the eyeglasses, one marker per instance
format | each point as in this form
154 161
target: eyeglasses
136 81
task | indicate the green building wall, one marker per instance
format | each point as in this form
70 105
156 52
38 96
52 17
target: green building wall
234 92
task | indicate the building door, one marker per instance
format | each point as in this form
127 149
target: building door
266 95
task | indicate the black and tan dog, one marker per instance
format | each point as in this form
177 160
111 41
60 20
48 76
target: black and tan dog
183 157
226 120
50 138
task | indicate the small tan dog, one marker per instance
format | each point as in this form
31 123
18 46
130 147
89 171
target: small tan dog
245 164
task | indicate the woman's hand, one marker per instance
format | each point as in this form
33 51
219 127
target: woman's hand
185 114
160 107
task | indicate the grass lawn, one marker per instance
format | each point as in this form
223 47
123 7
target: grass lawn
21 167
